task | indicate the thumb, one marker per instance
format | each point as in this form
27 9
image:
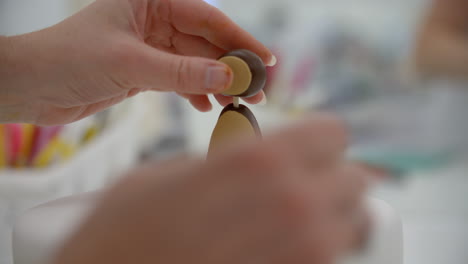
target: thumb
183 74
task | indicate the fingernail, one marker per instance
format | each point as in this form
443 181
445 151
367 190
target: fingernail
272 62
217 78
263 101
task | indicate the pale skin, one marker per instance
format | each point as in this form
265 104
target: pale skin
115 49
292 198
442 47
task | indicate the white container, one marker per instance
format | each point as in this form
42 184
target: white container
434 210
37 239
112 152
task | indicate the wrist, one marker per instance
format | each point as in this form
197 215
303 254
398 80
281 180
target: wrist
15 80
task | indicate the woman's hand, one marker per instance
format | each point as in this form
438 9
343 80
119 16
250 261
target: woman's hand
114 49
289 199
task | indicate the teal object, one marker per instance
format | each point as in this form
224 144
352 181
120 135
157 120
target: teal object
404 162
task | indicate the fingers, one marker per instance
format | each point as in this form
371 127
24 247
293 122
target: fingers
189 45
199 102
134 91
203 104
327 212
349 186
316 144
336 196
256 99
354 184
361 227
223 100
201 19
184 95
192 75
354 211
318 141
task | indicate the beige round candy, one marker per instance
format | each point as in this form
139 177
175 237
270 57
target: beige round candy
242 76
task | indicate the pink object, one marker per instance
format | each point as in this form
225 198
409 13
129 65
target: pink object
41 138
13 135
304 73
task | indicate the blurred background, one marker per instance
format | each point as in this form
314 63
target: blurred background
351 57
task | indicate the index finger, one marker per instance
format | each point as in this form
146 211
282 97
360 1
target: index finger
196 17
320 139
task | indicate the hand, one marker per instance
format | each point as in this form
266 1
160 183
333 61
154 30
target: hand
114 49
442 45
289 199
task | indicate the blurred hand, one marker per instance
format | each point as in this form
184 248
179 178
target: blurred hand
442 46
114 49
289 199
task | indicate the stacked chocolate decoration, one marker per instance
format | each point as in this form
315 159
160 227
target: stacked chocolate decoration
249 79
249 73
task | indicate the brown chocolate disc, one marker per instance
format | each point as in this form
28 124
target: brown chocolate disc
257 75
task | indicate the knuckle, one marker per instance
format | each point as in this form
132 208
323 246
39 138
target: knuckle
181 69
294 206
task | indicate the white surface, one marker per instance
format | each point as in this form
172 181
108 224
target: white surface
385 245
434 210
34 241
36 238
